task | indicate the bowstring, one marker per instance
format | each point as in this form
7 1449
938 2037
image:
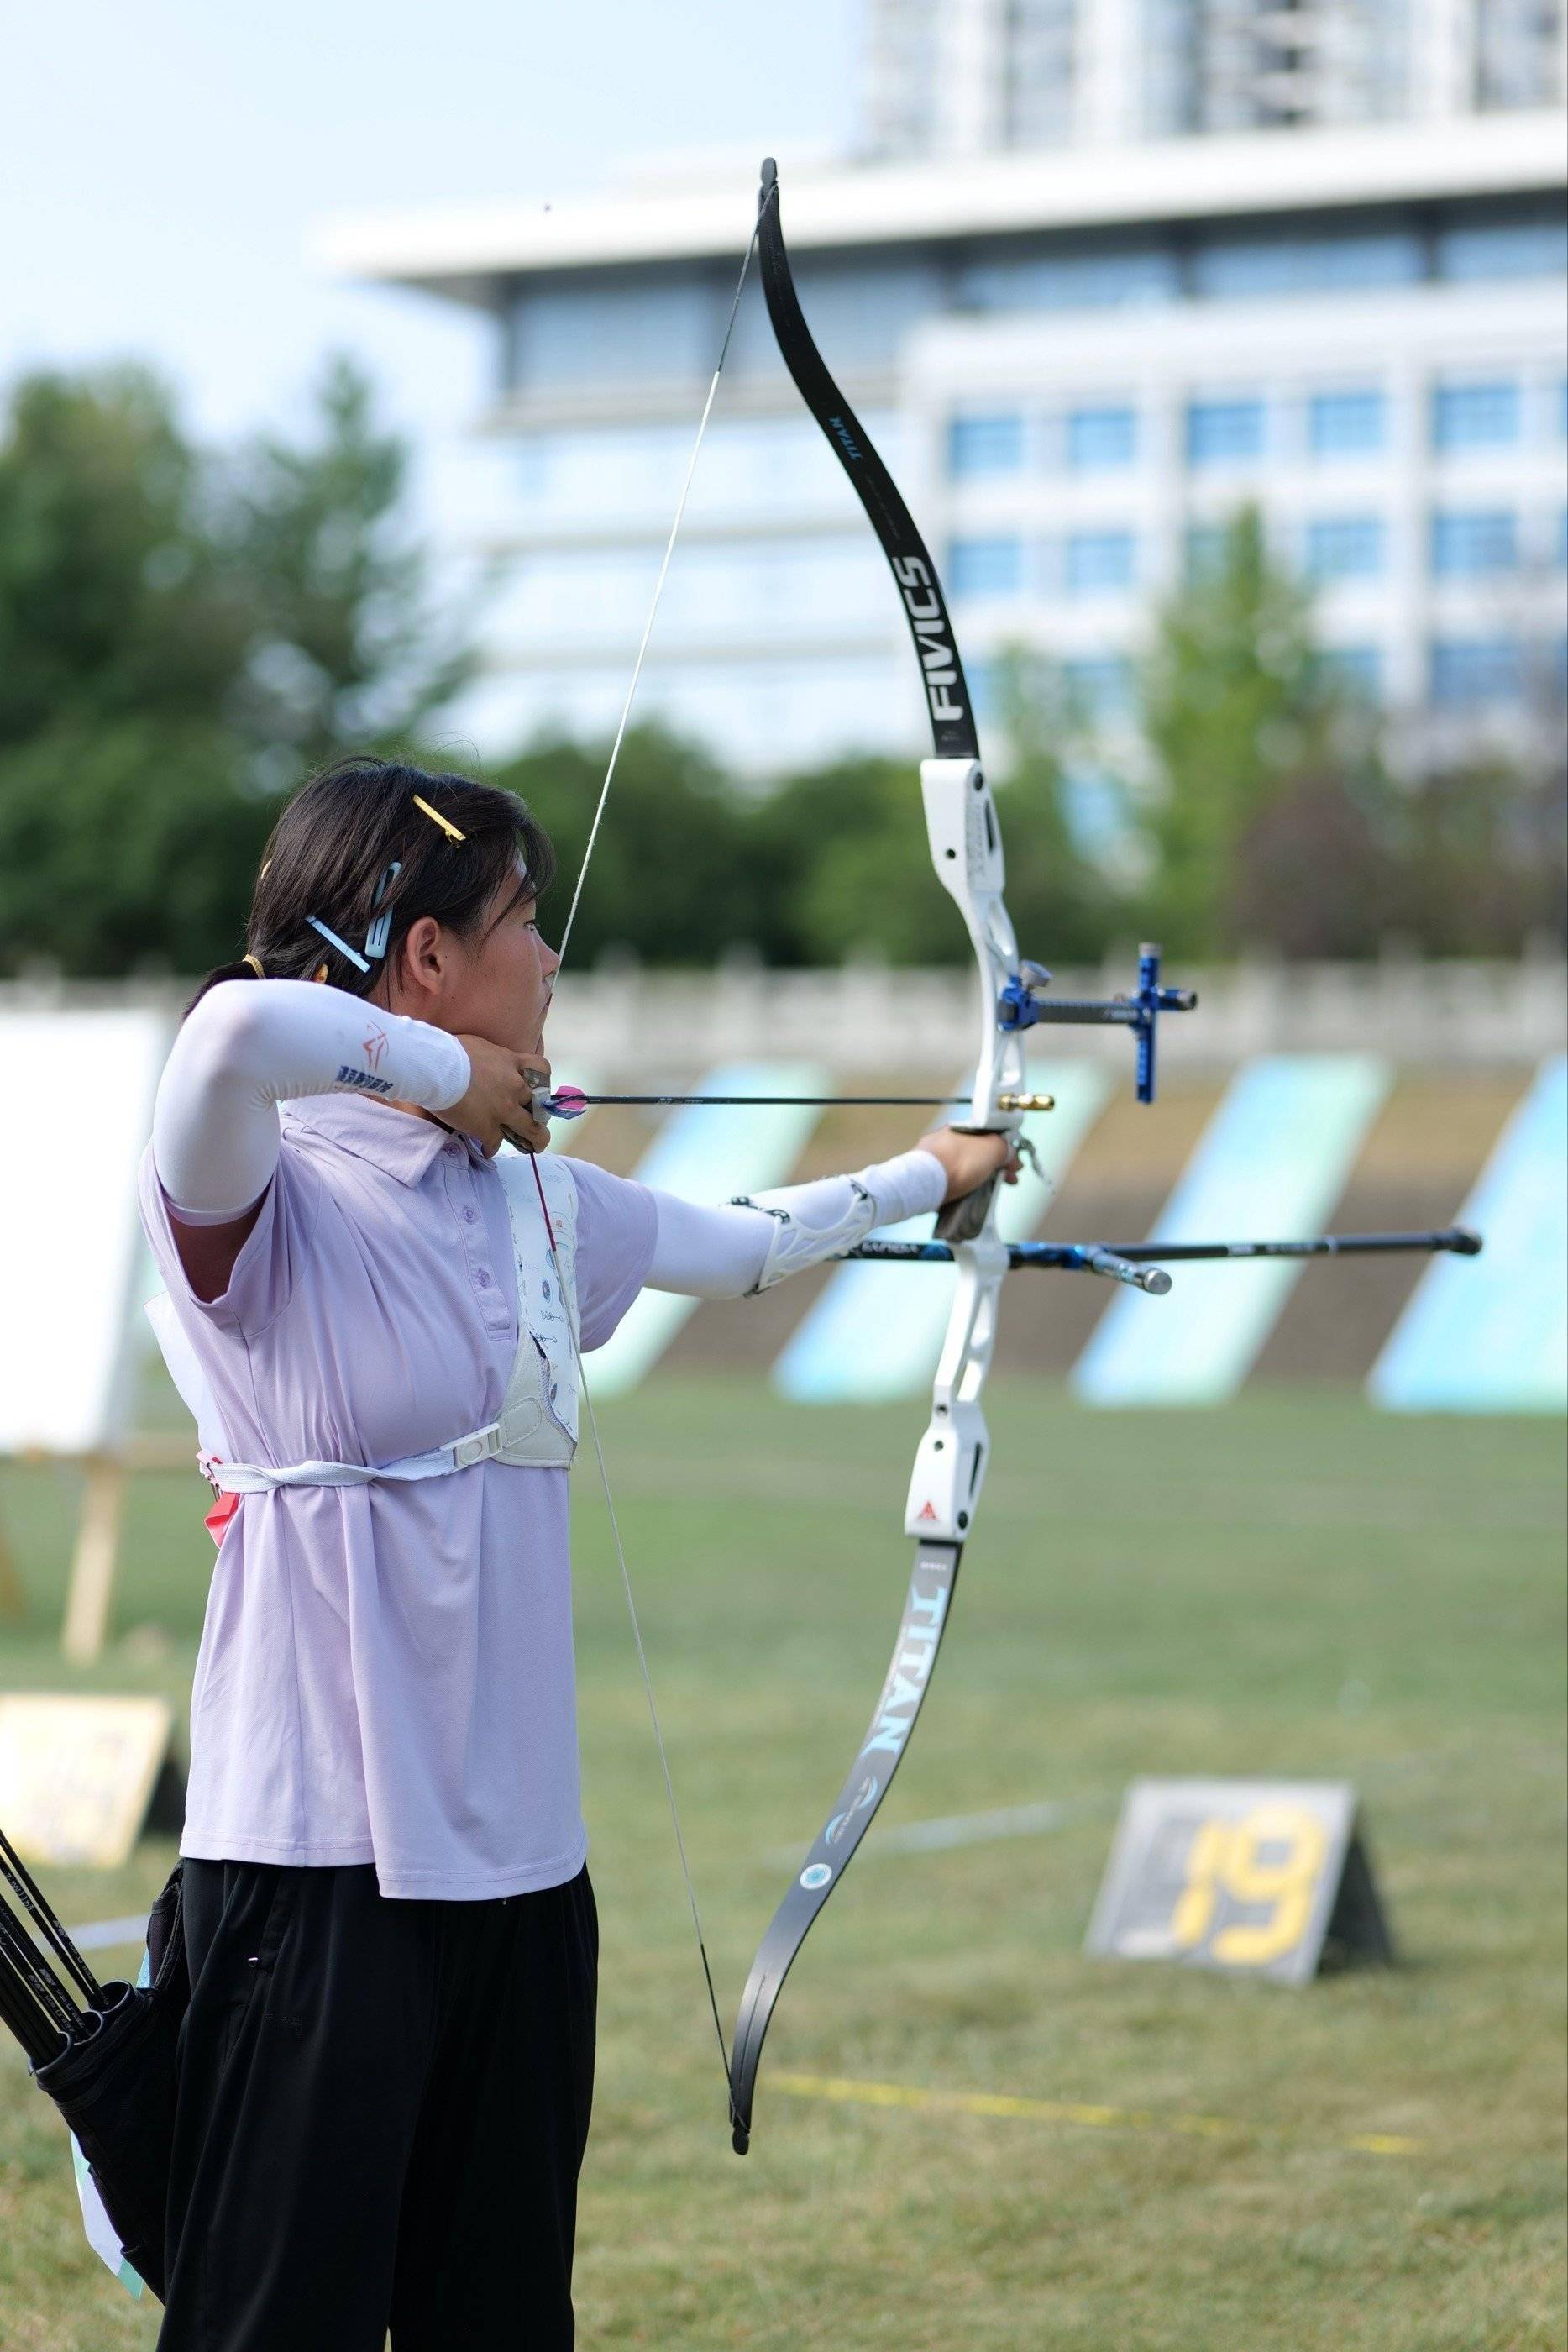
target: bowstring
658 590
632 1612
584 1391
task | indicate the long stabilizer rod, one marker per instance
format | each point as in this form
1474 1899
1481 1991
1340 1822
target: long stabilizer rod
1140 1264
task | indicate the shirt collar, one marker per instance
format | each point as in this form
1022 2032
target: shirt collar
403 1146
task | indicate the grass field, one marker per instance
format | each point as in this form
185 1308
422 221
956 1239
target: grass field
1115 2157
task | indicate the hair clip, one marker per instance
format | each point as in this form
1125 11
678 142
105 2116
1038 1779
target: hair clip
380 933
334 941
447 828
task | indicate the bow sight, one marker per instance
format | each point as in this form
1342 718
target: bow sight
1023 1004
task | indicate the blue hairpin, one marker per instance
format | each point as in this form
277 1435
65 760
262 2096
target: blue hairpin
380 933
334 941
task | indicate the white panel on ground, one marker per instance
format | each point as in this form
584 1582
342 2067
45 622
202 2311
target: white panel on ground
1272 1164
876 1330
81 1087
1489 1334
710 1152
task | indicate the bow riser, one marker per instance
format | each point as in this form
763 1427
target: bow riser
966 852
950 1465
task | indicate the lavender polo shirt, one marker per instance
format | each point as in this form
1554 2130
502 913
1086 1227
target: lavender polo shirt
386 1671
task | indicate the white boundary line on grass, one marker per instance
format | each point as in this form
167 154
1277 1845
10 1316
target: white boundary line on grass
974 1828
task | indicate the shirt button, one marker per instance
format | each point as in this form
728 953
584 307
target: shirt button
483 1279
470 1217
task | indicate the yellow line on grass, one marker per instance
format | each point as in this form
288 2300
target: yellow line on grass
1059 2110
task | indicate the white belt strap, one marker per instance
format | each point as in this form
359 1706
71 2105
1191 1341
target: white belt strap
480 1446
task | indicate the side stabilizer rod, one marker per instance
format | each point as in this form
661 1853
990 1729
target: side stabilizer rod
1139 1264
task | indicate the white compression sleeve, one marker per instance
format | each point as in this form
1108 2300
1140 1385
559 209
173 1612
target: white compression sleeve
729 1252
252 1044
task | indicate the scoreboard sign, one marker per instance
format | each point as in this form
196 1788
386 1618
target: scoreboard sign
80 1778
1266 1878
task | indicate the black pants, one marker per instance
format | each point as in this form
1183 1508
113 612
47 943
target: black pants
381 2114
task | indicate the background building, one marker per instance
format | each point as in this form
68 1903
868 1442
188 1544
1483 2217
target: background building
1107 272
967 76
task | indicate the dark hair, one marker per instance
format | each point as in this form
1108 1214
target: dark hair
333 845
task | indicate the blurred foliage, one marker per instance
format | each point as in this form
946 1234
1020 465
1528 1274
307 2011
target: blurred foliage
128 844
1278 826
1242 723
115 599
184 635
673 877
342 648
180 639
1482 856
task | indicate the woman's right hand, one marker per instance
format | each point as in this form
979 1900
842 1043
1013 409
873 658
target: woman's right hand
498 1106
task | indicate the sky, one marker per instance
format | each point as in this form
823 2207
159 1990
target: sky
163 164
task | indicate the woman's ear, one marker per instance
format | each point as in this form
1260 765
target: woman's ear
424 960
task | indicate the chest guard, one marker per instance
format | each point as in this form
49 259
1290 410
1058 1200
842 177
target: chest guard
536 1426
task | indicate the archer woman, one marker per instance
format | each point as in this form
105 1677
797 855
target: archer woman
386 2066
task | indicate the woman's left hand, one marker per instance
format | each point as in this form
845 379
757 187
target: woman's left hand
969 1159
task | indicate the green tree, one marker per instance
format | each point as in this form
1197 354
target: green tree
181 638
125 843
1065 904
115 599
843 849
1482 856
342 647
1236 710
672 878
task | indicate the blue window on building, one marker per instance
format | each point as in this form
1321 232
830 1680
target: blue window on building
1204 550
1345 423
1101 438
1358 668
1099 562
1344 547
984 679
1305 265
1469 542
1095 281
1469 672
1504 250
985 444
1478 416
985 567
1100 685
1224 431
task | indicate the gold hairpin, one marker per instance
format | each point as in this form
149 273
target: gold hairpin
447 828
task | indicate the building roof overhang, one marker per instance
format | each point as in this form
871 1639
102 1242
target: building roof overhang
467 255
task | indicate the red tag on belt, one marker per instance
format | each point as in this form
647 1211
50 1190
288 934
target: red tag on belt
217 1519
